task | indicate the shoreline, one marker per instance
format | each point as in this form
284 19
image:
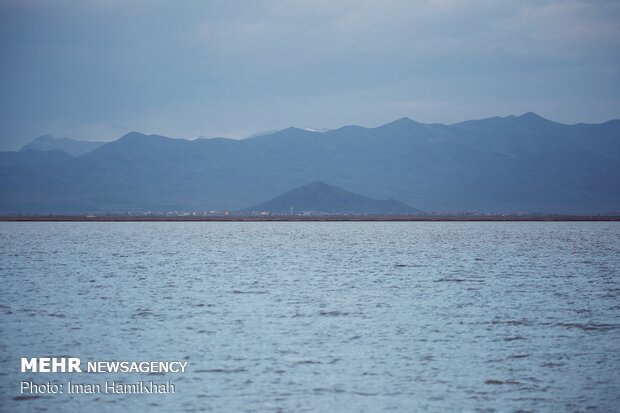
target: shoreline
322 218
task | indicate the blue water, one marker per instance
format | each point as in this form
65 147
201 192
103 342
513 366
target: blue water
322 317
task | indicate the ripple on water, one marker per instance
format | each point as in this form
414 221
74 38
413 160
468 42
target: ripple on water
321 316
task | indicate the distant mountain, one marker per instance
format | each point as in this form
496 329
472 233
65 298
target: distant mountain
503 164
323 198
268 132
67 145
316 130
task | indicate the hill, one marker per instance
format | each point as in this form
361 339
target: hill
318 197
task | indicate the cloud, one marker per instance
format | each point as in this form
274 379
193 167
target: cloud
227 67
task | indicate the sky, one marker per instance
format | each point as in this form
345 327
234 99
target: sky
95 70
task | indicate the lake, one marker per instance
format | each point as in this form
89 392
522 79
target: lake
318 316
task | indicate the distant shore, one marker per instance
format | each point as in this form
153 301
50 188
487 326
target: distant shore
312 218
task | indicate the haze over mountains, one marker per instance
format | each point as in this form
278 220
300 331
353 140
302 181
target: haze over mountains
509 164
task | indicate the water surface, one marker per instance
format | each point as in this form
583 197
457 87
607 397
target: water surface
311 316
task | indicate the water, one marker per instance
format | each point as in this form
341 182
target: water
321 317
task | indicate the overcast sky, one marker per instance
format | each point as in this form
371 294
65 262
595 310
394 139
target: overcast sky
95 70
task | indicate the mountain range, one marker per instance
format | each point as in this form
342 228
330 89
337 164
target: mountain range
497 165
